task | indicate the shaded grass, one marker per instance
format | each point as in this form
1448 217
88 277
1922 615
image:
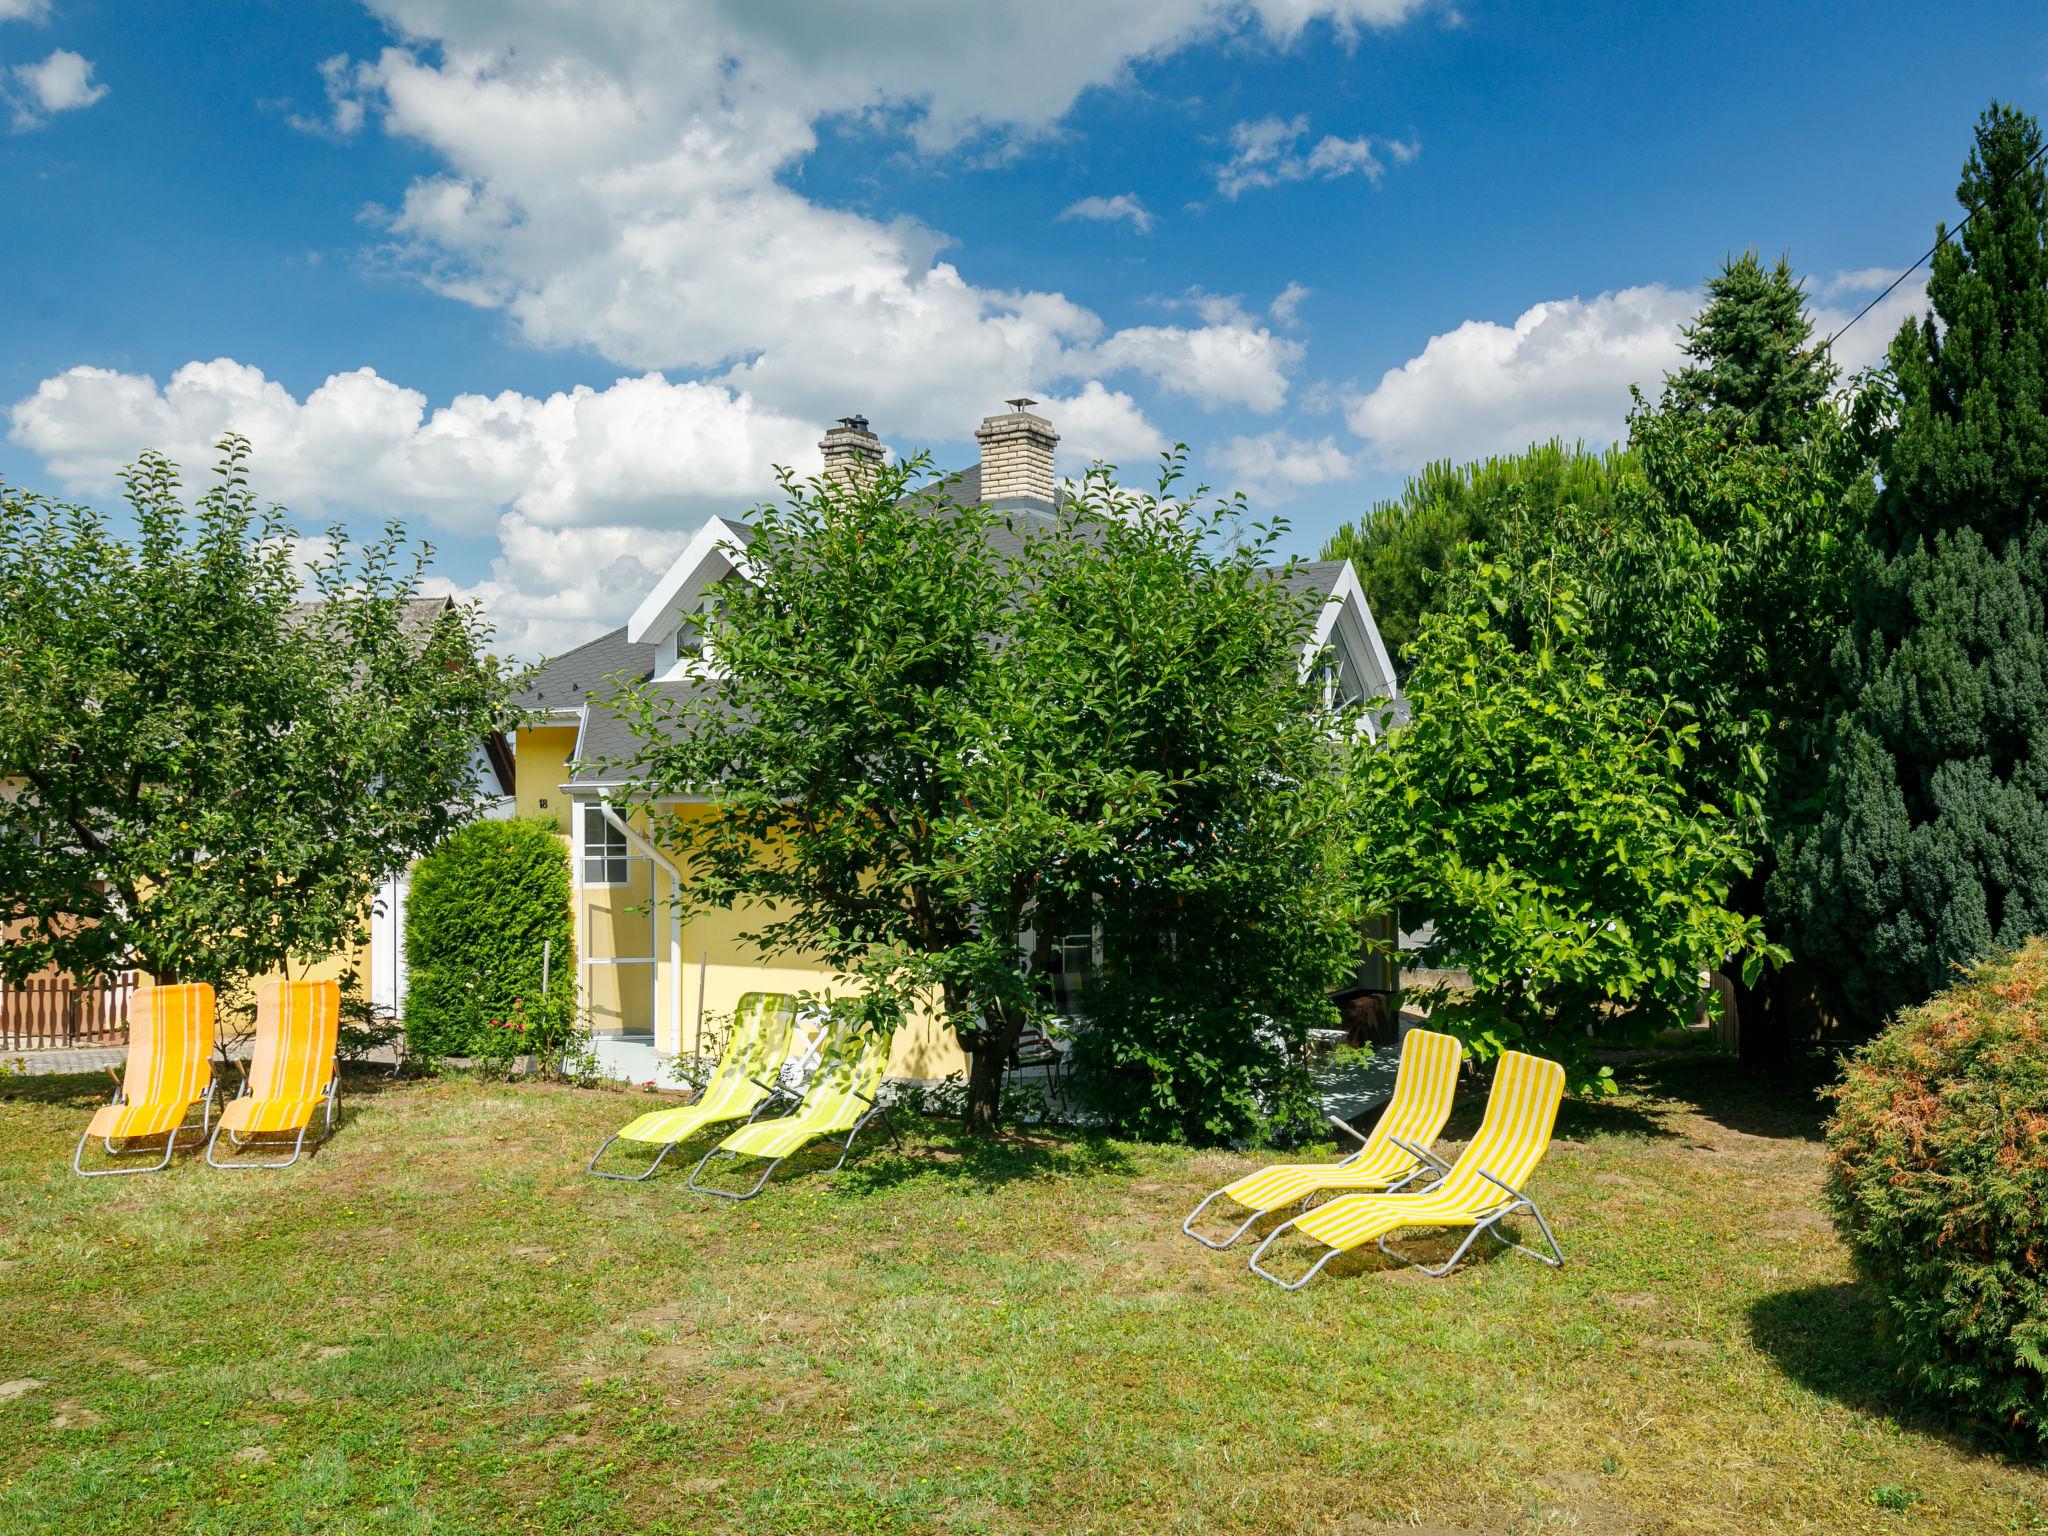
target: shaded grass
438 1324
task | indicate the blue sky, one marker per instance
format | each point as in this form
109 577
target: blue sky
1318 242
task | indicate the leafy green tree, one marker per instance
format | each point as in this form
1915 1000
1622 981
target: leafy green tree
1161 710
1536 813
490 944
923 741
1401 547
205 775
1754 375
1932 846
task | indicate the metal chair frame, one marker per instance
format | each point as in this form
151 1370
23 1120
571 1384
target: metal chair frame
1486 1223
774 1093
1426 1162
298 1145
171 1136
876 1109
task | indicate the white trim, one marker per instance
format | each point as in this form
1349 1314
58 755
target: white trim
720 539
584 854
1347 597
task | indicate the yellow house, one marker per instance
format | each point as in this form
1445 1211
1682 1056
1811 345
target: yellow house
650 982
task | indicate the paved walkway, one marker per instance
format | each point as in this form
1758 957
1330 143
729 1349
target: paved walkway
84 1058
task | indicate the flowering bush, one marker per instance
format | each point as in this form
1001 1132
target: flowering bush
1939 1179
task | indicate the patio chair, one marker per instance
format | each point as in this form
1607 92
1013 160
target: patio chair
1392 1157
742 1087
1037 1047
292 1074
839 1102
170 1042
1484 1187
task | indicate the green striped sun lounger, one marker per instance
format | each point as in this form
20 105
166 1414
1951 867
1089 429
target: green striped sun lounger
839 1102
742 1088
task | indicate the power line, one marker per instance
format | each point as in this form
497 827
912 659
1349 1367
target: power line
1946 236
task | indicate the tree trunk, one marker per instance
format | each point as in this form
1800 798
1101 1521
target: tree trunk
995 1041
1759 1021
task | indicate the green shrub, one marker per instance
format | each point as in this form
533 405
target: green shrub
1938 1177
483 908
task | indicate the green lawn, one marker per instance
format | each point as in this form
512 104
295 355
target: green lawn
439 1324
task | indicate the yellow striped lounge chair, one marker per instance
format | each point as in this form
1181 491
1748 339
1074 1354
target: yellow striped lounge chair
170 1041
837 1104
1395 1154
1484 1187
292 1071
742 1087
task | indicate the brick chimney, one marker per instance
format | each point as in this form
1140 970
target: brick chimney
852 452
1016 455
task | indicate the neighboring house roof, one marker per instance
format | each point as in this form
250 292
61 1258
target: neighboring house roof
416 619
564 682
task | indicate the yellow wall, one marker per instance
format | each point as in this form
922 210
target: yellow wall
715 967
541 756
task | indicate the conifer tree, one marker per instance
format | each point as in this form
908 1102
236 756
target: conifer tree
1752 367
1932 845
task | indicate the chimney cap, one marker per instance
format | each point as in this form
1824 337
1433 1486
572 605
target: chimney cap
854 423
1022 402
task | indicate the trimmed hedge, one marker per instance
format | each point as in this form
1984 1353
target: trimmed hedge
483 906
1938 1178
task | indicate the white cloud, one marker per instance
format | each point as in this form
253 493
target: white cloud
553 588
1269 151
345 84
644 451
24 10
1274 466
1562 369
1232 360
1098 424
1286 306
1866 341
621 183
1110 210
623 180
60 83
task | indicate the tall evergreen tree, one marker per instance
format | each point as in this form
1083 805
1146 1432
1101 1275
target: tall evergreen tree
1753 373
1932 847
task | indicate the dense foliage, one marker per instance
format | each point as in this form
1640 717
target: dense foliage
933 730
1159 666
487 917
1534 811
1938 1178
1932 847
1400 547
211 776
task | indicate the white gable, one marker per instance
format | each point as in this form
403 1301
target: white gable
718 549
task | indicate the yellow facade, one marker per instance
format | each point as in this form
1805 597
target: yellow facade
697 970
542 755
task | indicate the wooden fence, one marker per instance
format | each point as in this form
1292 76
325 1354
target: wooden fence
58 1012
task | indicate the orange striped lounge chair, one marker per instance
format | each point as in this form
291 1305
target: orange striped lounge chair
292 1072
1395 1155
170 1043
1485 1187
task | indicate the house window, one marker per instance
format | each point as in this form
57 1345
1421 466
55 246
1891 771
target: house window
604 849
691 639
1068 960
1339 686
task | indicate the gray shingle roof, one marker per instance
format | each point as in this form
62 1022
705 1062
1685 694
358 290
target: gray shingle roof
565 681
1316 577
577 678
609 751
